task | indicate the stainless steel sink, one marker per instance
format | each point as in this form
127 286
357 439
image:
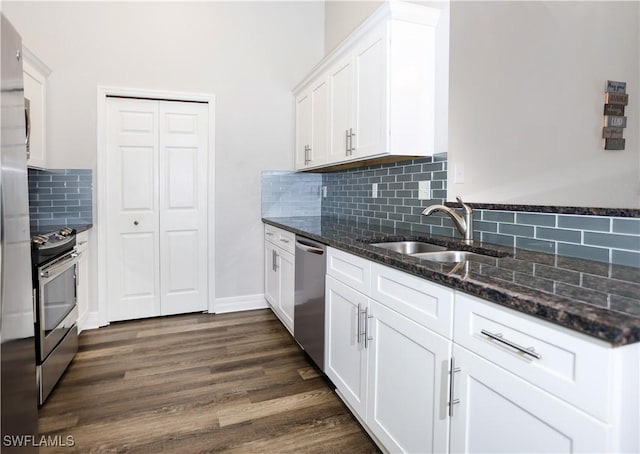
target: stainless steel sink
428 251
449 256
410 247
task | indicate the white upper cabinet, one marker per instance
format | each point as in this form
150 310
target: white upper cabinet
312 120
35 93
380 91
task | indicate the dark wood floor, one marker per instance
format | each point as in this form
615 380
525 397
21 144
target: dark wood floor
198 383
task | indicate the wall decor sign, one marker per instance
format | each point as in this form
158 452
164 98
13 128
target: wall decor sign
615 99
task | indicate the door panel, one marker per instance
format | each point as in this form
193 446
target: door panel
287 270
183 209
271 275
340 82
137 176
303 128
501 413
182 243
319 123
407 391
133 213
182 190
371 95
157 215
346 358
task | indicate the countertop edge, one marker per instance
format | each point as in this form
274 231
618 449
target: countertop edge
577 317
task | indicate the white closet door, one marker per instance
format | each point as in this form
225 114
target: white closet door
183 206
133 250
157 215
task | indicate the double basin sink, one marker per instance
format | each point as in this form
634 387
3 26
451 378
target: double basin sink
429 251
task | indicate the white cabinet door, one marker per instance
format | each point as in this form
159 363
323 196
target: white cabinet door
35 91
271 275
501 413
82 277
303 129
345 353
340 112
408 366
370 127
286 268
319 150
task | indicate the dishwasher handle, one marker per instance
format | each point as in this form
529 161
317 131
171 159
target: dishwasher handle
308 248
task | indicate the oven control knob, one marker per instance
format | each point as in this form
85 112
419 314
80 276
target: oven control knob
66 231
38 239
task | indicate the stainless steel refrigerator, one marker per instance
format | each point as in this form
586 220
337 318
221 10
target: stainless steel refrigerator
18 396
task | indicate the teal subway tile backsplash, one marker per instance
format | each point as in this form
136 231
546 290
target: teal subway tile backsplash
287 193
630 226
60 197
600 238
592 223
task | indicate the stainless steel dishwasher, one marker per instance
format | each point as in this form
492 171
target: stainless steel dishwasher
308 326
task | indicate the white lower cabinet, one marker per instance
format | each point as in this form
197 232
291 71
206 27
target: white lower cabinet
497 411
400 349
390 370
279 274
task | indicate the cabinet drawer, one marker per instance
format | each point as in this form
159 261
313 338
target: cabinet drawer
281 238
428 304
571 366
349 269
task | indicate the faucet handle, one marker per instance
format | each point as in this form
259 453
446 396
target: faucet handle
467 208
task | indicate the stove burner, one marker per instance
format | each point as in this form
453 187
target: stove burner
48 246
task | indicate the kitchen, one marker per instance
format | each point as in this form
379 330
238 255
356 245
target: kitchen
246 55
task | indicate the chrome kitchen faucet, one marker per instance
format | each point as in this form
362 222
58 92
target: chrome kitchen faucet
464 226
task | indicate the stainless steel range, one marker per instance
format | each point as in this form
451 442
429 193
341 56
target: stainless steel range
54 259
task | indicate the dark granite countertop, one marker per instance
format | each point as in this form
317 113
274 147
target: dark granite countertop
597 299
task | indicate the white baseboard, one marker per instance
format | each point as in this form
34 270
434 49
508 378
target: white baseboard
240 303
88 320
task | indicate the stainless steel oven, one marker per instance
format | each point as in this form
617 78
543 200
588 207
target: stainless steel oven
55 296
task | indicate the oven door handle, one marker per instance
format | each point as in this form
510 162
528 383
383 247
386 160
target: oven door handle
59 266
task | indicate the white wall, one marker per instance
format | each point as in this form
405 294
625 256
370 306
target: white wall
342 17
249 54
526 102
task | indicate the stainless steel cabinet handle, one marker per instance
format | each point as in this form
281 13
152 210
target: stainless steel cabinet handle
526 350
358 327
346 141
306 248
367 317
275 261
351 147
269 233
284 240
452 400
307 154
27 120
